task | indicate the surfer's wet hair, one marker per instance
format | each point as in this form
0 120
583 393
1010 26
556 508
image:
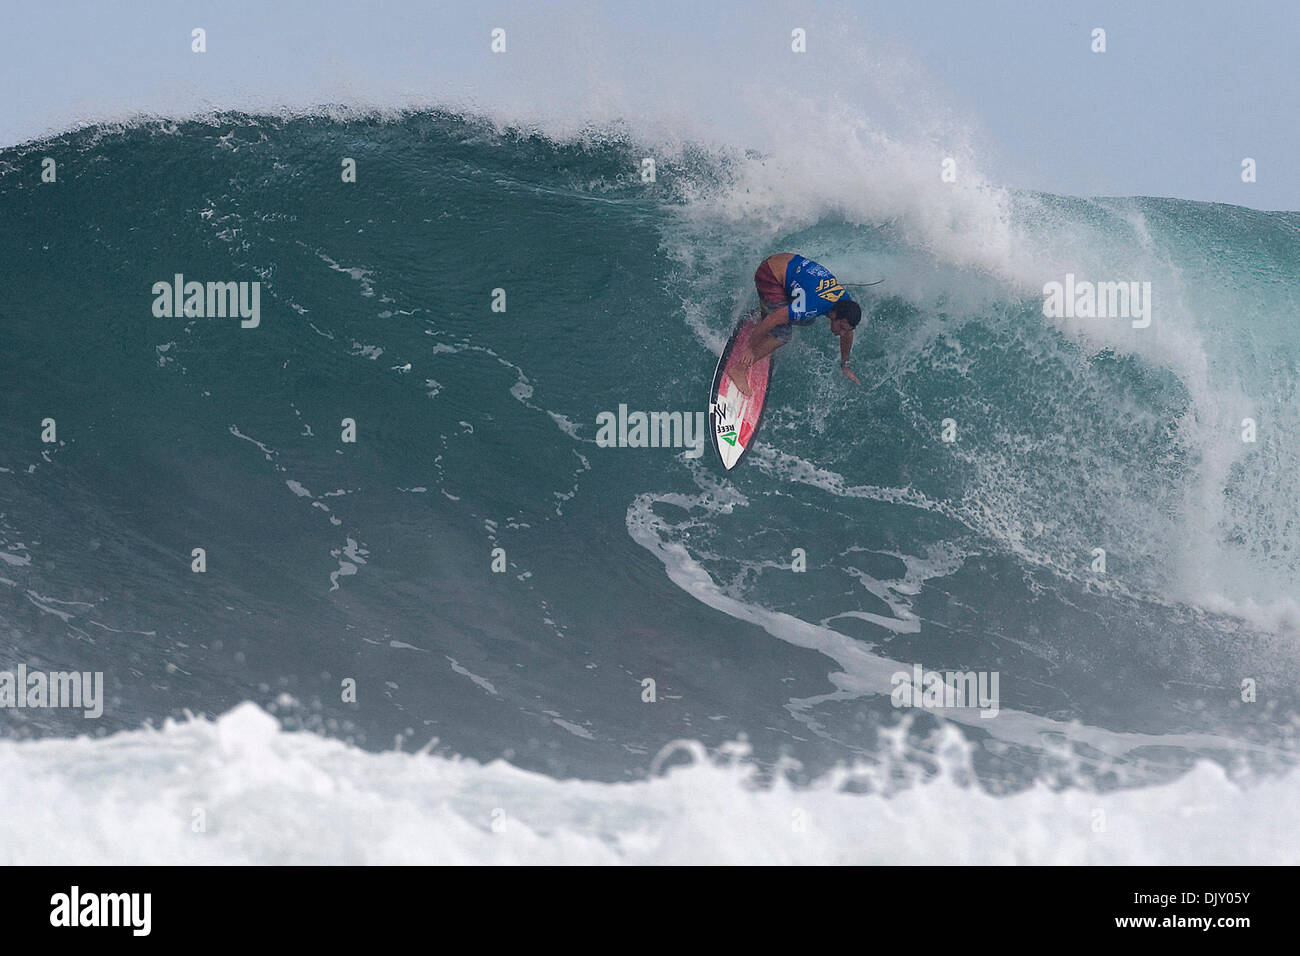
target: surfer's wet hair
848 310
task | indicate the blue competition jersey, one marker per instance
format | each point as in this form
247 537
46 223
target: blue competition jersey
820 290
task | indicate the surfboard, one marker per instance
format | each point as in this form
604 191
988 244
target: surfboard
734 417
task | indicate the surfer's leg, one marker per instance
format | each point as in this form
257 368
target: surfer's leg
771 293
772 341
761 350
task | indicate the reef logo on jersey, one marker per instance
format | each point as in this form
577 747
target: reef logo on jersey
830 290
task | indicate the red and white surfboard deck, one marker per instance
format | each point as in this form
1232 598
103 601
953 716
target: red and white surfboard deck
733 416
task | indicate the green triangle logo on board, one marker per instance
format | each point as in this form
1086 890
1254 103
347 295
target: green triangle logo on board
728 437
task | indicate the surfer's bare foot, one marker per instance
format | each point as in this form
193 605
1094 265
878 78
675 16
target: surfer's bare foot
740 378
739 371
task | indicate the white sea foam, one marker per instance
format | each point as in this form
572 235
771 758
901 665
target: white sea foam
267 796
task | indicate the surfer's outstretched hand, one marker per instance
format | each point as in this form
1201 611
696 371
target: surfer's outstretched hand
848 373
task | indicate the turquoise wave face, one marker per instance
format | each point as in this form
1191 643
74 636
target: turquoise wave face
482 571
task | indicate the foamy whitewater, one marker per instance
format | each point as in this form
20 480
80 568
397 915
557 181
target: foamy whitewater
563 652
272 797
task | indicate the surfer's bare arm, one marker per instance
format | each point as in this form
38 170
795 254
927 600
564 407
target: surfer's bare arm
846 345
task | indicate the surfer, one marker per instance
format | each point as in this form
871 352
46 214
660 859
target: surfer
794 290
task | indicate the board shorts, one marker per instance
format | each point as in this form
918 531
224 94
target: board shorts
771 296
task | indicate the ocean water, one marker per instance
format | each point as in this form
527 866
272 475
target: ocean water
503 715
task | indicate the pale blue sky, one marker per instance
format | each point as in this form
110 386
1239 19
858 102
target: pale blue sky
1184 93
